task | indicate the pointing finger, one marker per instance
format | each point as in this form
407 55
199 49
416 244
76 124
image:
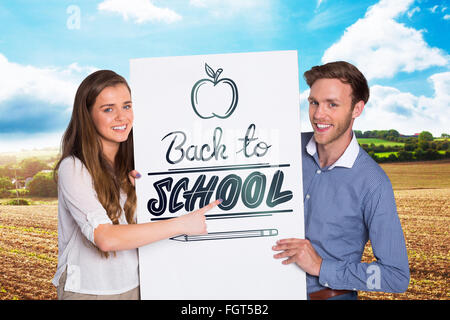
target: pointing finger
210 206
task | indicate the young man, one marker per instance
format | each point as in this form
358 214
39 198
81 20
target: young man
348 199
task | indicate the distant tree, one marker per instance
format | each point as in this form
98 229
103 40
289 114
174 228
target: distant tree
393 133
425 136
43 185
31 166
5 183
445 135
358 133
8 171
412 140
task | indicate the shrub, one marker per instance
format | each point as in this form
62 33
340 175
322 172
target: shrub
17 202
405 156
21 192
392 157
5 183
431 154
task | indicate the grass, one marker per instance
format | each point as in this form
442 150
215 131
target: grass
441 139
378 142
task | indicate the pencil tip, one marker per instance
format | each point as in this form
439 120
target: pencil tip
181 237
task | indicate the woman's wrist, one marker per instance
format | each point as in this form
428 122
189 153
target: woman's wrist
177 225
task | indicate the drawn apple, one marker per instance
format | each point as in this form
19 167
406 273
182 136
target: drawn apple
214 98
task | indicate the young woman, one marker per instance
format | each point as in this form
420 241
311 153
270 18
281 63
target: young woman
97 234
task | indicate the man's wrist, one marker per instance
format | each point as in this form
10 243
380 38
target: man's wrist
327 272
319 266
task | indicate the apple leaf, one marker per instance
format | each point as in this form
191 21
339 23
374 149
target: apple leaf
209 71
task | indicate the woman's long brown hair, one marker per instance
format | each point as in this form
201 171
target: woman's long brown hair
81 140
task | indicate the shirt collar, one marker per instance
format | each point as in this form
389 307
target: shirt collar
346 160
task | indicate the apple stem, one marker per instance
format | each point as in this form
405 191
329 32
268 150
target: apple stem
217 74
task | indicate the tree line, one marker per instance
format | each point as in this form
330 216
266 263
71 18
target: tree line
419 147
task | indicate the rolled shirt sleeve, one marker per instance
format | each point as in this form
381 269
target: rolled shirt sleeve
75 184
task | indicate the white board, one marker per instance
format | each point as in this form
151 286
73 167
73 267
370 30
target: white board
219 126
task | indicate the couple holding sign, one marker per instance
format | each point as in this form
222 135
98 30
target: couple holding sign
249 110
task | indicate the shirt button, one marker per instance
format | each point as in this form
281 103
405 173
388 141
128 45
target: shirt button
318 171
308 196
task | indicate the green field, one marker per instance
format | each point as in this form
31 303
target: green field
378 142
385 154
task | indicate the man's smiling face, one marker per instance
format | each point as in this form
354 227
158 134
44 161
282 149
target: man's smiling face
330 110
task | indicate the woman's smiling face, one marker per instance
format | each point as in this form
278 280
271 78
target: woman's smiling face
112 114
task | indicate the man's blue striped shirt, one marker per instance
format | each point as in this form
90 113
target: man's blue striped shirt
346 205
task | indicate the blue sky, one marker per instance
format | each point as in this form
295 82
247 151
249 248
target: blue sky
48 47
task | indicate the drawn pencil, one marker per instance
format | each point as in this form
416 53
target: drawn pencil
227 235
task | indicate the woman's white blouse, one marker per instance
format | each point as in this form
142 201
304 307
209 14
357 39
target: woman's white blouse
79 213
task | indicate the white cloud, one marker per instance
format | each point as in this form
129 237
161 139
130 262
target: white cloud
329 17
36 103
52 85
441 9
140 10
433 9
412 11
382 47
389 108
